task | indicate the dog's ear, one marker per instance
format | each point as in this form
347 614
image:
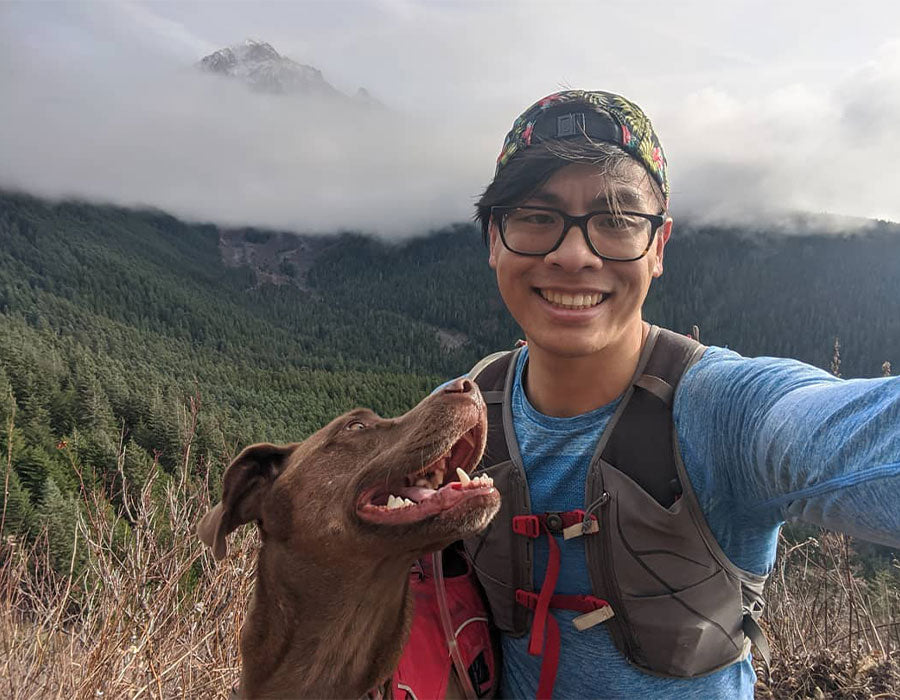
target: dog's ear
246 482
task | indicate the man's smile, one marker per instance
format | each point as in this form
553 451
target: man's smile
576 300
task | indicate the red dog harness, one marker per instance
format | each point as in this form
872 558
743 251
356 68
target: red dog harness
426 661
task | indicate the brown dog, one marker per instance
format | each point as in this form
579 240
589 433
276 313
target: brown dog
342 517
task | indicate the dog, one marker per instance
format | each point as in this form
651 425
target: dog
342 517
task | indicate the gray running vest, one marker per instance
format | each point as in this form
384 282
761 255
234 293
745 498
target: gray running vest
680 607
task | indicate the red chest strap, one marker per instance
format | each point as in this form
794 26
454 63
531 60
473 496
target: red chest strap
544 628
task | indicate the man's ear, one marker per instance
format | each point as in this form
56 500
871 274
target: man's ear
662 237
247 480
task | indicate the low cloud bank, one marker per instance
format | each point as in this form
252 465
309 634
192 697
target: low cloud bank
149 130
206 148
737 158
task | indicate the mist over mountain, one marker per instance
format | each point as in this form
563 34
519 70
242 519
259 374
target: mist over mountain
103 102
428 304
263 69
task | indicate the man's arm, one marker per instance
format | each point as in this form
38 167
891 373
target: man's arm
767 440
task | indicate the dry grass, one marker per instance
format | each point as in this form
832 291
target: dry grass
150 615
833 634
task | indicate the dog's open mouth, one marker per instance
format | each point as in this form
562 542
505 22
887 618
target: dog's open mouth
439 486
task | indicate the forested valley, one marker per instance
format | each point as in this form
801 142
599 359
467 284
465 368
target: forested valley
132 352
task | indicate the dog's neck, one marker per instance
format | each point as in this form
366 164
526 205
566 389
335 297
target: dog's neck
339 633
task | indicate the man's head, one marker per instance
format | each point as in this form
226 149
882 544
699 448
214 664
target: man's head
574 126
588 161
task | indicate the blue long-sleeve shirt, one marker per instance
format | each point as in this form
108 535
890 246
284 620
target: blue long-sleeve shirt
764 440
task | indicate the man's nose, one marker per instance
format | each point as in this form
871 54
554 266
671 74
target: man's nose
573 253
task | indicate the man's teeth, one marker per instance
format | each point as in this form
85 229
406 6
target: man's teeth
572 301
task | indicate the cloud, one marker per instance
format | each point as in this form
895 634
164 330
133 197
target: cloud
794 148
100 101
207 148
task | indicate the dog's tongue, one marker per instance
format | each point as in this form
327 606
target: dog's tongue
417 494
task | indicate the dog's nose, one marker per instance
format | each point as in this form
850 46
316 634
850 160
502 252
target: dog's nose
460 386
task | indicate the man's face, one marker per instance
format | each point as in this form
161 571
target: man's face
542 293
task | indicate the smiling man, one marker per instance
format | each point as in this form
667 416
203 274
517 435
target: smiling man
644 476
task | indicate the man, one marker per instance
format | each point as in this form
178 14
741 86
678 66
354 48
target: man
655 548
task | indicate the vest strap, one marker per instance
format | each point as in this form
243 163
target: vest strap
656 386
569 524
492 396
578 603
758 637
544 627
594 610
527 525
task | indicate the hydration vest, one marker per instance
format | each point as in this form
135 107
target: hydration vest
673 602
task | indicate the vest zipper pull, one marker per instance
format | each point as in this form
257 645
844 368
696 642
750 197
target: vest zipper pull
587 525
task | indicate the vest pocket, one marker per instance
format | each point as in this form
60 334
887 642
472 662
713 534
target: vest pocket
690 632
678 607
500 556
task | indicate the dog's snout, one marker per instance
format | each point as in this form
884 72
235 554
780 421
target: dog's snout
460 386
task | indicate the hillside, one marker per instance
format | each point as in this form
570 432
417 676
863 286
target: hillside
138 353
110 318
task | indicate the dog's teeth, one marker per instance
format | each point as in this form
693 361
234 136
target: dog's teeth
407 502
394 502
463 477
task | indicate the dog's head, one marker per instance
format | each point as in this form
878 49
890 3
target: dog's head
364 482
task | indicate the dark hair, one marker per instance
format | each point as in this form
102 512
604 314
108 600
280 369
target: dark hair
531 168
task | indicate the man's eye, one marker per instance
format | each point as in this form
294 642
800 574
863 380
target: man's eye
355 425
533 218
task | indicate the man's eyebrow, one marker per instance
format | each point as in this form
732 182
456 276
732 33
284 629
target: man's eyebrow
627 197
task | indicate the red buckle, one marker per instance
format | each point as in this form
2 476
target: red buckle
577 516
527 525
526 599
582 603
573 517
596 602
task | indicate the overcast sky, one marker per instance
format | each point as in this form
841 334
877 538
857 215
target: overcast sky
760 105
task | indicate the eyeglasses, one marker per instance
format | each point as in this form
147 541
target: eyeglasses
619 236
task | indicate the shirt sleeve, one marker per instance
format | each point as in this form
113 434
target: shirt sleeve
766 440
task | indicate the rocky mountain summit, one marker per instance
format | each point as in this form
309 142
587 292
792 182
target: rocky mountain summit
260 66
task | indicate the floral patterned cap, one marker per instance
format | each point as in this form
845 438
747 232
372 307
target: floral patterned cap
601 116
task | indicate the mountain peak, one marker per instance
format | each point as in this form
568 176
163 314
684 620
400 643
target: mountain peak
260 66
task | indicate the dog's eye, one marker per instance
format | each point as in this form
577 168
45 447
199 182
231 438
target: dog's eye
355 425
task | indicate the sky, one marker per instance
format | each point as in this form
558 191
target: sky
763 107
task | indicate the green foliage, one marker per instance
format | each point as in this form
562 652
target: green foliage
128 347
19 509
58 515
